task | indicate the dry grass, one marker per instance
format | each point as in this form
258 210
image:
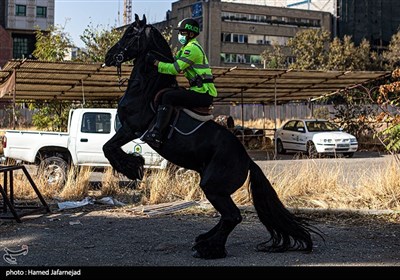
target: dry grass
77 185
259 123
317 185
168 184
306 184
110 186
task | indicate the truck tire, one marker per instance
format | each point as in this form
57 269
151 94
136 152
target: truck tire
54 171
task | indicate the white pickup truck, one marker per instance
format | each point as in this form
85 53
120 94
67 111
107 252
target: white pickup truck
88 130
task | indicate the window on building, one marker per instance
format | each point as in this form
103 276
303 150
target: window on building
20 10
41 12
255 59
242 38
226 37
270 19
23 45
20 47
240 58
234 38
222 57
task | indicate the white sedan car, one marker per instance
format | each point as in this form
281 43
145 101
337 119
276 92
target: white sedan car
314 137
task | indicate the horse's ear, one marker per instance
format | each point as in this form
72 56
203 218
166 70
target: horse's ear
137 18
144 19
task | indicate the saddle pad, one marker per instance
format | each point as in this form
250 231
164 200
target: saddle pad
186 124
197 116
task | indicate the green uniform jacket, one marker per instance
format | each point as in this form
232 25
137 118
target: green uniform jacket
192 61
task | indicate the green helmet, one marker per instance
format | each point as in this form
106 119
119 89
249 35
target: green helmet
189 24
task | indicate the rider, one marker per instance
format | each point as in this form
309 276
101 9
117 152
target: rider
192 61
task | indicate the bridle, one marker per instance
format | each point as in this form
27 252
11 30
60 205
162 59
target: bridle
120 57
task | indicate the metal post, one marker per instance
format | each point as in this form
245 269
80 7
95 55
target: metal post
14 115
242 105
275 117
264 134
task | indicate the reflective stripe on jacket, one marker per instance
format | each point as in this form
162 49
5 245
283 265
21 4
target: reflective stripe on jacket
192 61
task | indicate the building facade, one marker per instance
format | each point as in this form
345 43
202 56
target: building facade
18 21
237 32
374 20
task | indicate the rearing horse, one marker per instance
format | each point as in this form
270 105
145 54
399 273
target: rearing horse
211 150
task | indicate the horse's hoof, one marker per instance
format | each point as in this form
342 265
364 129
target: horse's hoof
200 238
208 253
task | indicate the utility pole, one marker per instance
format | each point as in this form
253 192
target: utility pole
127 12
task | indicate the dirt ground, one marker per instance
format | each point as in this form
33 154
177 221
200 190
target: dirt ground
107 237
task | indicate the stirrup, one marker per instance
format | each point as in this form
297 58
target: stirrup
152 138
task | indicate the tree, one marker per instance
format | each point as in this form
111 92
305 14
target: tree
274 57
50 116
364 58
310 49
389 96
345 56
98 41
52 44
392 55
167 33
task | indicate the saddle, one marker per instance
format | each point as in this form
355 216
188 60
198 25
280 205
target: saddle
186 120
200 113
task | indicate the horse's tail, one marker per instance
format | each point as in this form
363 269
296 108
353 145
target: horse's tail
288 232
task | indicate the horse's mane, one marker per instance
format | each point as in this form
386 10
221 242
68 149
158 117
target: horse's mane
159 47
162 44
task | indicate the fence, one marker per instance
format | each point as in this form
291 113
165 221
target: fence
286 111
23 117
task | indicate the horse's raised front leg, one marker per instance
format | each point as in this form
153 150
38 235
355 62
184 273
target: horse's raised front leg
211 245
131 165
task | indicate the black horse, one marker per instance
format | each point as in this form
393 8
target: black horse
210 149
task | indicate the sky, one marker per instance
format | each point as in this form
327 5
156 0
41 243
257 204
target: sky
74 16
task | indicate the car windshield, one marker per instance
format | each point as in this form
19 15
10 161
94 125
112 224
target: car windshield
314 126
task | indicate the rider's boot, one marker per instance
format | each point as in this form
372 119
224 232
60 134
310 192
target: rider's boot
154 136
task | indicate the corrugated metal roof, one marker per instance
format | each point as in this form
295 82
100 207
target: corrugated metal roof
91 81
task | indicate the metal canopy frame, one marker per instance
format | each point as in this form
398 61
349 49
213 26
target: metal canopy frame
43 80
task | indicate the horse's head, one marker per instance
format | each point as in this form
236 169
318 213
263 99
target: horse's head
131 44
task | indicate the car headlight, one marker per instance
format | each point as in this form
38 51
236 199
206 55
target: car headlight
327 140
353 140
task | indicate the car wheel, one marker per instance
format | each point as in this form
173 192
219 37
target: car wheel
279 147
54 171
311 150
349 155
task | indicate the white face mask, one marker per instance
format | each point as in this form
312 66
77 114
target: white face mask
182 39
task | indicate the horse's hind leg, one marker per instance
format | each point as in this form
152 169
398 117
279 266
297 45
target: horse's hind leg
211 245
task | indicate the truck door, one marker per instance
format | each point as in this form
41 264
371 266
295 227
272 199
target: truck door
94 132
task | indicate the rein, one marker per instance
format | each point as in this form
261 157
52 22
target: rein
121 81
